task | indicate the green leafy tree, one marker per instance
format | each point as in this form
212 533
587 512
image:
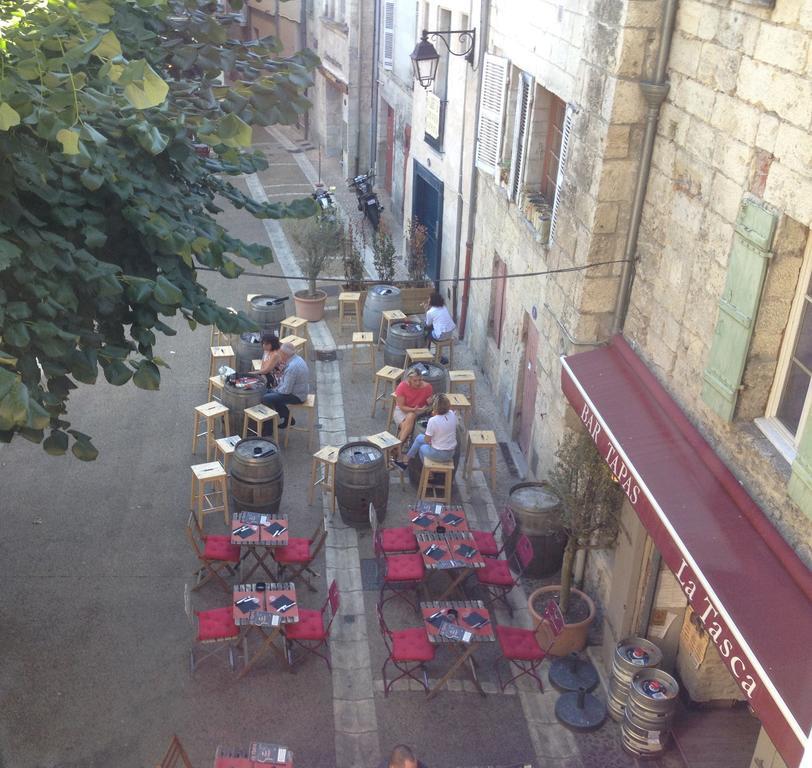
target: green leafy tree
106 207
383 254
321 239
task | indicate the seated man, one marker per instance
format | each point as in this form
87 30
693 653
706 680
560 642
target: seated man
293 386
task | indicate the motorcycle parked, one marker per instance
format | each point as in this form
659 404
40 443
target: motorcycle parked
367 199
324 199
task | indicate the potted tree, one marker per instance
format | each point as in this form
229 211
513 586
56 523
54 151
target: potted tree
590 510
320 241
416 293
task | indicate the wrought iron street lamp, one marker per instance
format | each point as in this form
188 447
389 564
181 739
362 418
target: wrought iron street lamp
425 57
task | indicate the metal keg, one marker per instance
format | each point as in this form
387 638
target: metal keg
649 713
380 298
402 336
256 476
249 348
361 478
241 391
416 463
434 374
537 510
267 312
631 655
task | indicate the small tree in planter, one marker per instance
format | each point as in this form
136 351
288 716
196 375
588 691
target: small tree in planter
353 263
416 237
320 239
384 250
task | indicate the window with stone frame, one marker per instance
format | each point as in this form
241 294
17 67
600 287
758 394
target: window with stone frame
496 311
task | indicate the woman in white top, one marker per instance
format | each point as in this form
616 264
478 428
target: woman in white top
440 439
439 323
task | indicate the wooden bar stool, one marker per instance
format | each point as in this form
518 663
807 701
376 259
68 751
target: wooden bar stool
259 414
418 355
295 326
362 341
346 300
460 405
481 438
209 483
388 316
256 364
299 343
390 419
386 376
432 490
211 413
464 377
323 473
308 407
219 337
223 355
225 446
216 384
386 442
443 344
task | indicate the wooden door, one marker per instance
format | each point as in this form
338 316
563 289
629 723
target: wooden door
529 386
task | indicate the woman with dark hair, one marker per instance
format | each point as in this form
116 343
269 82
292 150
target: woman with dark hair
271 358
439 323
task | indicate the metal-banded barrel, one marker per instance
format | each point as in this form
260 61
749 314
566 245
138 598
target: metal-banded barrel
267 312
537 510
241 392
256 476
434 374
402 335
649 713
416 463
361 479
249 348
631 655
380 298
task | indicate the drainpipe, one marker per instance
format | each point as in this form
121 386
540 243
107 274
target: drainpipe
358 76
654 93
373 123
302 46
484 25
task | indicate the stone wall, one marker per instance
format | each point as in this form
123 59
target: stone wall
736 122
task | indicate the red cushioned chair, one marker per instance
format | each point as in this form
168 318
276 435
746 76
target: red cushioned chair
216 633
312 631
398 573
215 554
486 540
298 557
393 540
497 578
409 650
521 646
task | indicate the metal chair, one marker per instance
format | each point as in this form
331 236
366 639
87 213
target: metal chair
216 632
496 577
408 650
486 540
215 554
298 557
393 540
398 573
312 631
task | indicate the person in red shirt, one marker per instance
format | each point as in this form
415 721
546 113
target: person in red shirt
411 399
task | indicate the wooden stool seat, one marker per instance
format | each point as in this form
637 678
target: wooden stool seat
295 325
432 490
309 409
418 355
209 483
216 384
259 414
457 378
386 442
211 413
388 316
222 355
386 376
299 343
362 340
225 446
481 438
346 300
219 337
460 405
443 344
325 459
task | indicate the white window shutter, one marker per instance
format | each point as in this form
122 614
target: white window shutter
388 37
491 111
562 159
521 129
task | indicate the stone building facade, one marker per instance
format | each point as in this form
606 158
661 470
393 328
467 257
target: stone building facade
281 19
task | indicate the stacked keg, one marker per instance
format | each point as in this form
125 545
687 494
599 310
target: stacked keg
434 374
403 335
361 479
649 713
267 312
380 298
256 476
241 392
631 655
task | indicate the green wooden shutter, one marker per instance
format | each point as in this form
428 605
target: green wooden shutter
800 481
755 227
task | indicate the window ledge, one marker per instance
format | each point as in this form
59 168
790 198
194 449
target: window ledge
337 26
775 432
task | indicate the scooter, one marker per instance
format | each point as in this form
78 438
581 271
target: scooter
324 199
367 199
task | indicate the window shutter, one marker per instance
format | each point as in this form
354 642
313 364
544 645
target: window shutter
524 107
562 159
388 37
752 239
491 111
800 481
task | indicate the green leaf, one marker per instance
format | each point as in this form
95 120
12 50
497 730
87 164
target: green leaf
56 444
91 180
89 133
147 376
17 335
8 253
117 373
84 365
7 359
9 117
84 450
94 238
69 140
109 47
233 131
167 293
96 11
150 92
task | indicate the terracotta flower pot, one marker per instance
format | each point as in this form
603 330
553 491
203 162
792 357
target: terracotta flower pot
573 636
310 308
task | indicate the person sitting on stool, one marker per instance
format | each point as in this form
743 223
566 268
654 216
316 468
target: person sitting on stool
439 323
271 358
411 399
293 387
440 440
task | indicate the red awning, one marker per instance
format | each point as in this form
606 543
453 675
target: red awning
751 590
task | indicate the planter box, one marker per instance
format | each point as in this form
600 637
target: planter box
414 299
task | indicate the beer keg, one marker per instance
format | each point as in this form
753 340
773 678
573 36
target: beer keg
631 655
380 298
649 713
241 392
267 312
361 478
249 348
256 476
402 335
434 374
537 510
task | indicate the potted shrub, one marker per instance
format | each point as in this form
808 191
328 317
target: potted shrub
384 254
590 510
416 293
320 239
353 263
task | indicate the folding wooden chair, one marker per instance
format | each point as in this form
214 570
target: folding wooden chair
298 557
393 540
216 632
215 554
175 755
312 631
486 540
497 578
398 573
408 650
